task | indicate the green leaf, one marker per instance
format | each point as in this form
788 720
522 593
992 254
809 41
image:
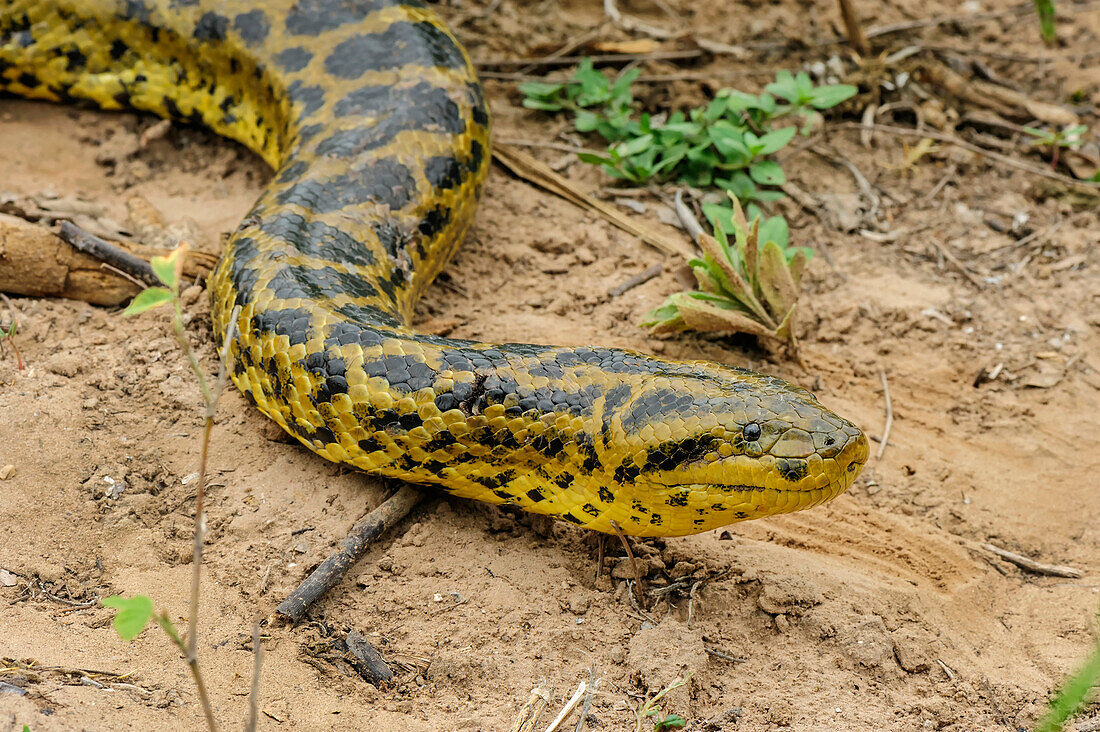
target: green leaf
132 616
729 140
543 105
739 184
540 89
784 86
776 140
766 196
586 121
767 172
738 102
825 97
165 267
593 159
775 229
635 146
621 87
595 88
672 721
147 299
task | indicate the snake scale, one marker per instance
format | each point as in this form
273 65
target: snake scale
371 115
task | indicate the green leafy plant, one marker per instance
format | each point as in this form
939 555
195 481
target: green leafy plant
651 710
748 278
1045 11
1056 140
1073 695
134 613
726 143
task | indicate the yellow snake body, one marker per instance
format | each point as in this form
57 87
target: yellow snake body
373 120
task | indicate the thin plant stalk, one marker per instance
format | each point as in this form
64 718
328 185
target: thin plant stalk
192 663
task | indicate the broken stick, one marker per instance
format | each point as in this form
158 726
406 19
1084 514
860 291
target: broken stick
108 253
333 569
1030 565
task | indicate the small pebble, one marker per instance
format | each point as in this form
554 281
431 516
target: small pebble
7 471
191 295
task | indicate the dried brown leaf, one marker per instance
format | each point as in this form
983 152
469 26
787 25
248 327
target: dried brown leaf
704 316
779 288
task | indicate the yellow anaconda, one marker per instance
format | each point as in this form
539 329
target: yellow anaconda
372 117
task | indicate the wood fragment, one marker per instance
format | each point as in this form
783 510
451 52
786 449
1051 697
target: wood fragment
36 263
534 171
108 253
889 417
638 279
332 570
633 564
854 29
366 660
532 710
253 717
568 708
724 656
1030 565
588 696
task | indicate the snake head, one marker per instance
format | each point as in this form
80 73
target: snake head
712 445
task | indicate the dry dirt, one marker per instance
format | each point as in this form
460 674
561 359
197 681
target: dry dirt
879 611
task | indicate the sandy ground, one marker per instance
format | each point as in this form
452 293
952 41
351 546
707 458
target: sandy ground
879 611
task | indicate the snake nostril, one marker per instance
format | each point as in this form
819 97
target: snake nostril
829 441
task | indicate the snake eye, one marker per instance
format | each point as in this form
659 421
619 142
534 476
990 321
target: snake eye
751 432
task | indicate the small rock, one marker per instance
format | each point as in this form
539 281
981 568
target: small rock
787 595
7 579
7 471
682 569
911 650
191 295
65 364
578 604
584 255
782 625
386 564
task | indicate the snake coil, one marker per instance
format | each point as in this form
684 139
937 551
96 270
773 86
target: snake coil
371 115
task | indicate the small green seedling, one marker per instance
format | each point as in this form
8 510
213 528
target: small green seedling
8 336
134 613
651 710
1056 140
747 285
726 143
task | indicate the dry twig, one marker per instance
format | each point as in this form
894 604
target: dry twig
633 563
107 252
853 28
639 279
1030 565
532 710
889 416
369 528
536 172
568 708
